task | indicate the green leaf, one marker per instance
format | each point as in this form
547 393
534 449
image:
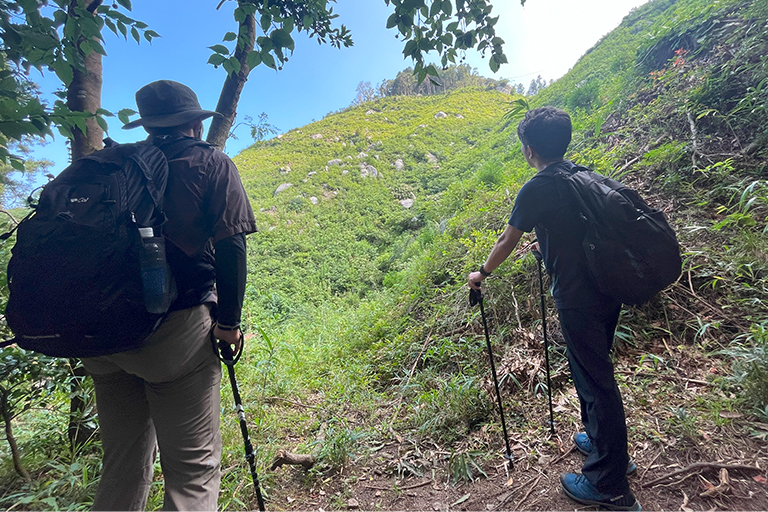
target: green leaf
217 59
436 7
266 22
122 28
494 64
411 47
393 20
125 3
447 8
230 36
234 65
64 71
102 123
268 59
17 164
220 48
97 47
110 25
253 59
125 115
135 34
307 21
240 15
281 38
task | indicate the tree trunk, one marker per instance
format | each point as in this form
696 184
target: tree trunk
84 95
6 413
233 87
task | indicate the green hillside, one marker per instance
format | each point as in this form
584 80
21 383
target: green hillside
363 351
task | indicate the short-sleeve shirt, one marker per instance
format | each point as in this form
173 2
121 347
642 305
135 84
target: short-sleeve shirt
547 208
205 202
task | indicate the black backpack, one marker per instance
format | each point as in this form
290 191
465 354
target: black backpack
74 276
631 250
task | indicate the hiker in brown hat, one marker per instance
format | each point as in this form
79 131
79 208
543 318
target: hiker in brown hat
166 393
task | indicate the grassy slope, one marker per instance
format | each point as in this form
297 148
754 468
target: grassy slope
402 333
366 336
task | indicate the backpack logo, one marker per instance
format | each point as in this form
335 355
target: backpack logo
79 199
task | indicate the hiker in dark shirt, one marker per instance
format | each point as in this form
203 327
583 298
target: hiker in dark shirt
166 393
588 318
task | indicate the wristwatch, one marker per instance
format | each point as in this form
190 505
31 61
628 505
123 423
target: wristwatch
483 272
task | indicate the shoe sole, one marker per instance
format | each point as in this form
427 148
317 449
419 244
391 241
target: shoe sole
635 506
631 466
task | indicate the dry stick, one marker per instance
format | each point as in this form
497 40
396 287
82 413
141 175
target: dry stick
561 457
525 496
709 306
294 459
703 465
513 491
665 377
650 465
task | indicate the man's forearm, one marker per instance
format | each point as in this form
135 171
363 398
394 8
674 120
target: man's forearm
502 248
231 270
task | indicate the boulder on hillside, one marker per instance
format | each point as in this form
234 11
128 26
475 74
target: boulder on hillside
335 161
362 155
313 200
406 203
441 115
459 116
285 169
369 112
281 188
368 171
399 164
431 158
311 173
316 136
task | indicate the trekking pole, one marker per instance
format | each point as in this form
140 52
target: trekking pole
537 255
476 297
229 360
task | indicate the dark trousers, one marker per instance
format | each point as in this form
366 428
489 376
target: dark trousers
589 336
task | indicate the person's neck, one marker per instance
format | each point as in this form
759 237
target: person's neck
540 165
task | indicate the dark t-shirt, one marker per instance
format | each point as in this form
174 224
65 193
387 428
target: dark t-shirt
541 205
205 202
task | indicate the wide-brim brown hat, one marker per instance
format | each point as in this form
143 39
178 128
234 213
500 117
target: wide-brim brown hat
166 103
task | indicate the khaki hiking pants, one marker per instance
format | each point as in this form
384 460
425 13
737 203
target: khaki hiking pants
165 394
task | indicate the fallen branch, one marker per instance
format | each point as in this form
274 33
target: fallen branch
723 487
525 496
295 459
698 466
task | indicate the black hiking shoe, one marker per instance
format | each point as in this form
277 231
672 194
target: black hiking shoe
584 445
578 488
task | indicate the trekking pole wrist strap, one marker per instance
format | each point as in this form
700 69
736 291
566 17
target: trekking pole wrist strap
483 271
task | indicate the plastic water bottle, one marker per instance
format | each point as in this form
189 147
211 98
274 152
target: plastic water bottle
155 274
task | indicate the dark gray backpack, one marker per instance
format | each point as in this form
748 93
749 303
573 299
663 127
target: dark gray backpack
632 252
74 276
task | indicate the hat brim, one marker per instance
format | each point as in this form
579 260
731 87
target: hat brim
176 119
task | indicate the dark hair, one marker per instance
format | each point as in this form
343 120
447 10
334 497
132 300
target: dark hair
547 130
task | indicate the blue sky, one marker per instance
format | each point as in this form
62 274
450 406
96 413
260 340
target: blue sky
546 37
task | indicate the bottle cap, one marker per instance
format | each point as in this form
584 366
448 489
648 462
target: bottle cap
146 232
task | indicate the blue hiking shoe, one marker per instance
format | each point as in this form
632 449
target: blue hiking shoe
578 488
584 445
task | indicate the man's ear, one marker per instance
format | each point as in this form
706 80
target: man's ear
198 129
